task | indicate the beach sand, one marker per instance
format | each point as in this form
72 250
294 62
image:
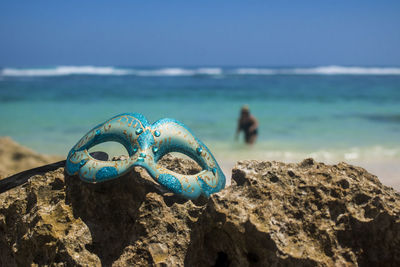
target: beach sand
388 172
15 158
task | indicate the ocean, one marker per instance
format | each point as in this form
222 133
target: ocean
331 113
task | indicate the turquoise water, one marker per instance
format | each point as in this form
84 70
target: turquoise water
331 113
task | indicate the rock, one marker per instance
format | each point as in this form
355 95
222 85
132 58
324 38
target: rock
177 164
122 157
306 214
15 158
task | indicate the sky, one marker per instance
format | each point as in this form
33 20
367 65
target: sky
199 33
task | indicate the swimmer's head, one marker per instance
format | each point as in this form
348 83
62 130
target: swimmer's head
245 110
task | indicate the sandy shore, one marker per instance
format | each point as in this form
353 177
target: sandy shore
15 158
388 172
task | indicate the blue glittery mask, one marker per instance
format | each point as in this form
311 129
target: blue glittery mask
147 143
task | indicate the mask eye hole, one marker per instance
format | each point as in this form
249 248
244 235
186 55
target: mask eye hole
115 150
179 163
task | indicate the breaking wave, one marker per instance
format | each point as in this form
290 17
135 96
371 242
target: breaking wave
324 70
63 70
109 70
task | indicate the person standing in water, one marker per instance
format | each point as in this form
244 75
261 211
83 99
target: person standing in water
248 124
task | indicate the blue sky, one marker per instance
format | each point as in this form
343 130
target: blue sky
199 33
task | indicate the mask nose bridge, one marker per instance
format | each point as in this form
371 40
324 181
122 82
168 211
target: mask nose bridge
145 142
145 160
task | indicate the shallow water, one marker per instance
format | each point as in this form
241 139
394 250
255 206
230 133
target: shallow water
332 114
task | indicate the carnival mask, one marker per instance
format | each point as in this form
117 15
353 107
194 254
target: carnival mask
146 144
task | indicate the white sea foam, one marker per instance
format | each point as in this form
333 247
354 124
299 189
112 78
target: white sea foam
218 72
177 72
92 70
163 72
271 151
332 70
323 70
64 70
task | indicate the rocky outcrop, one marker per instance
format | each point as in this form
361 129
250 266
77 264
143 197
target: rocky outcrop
15 158
306 214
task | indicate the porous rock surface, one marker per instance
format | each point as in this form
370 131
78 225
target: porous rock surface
274 214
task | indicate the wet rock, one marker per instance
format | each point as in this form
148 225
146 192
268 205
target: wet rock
306 214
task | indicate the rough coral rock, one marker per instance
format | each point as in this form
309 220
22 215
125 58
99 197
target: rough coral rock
306 214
